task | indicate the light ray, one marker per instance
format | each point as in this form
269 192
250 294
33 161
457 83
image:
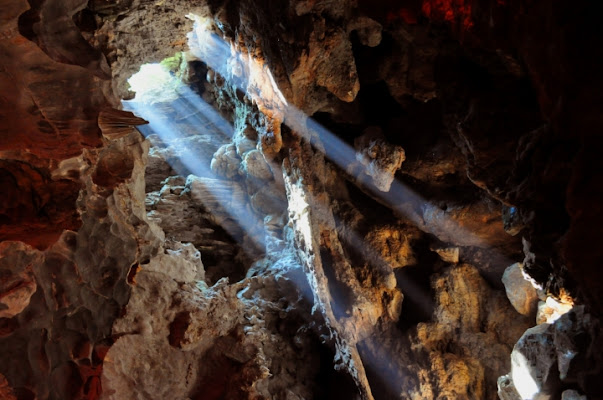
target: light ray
167 129
216 53
256 80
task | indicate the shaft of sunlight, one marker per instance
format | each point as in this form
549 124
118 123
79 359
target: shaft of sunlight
256 80
179 104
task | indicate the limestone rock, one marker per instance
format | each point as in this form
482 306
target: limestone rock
206 332
225 161
393 245
465 304
571 332
379 159
157 170
448 254
572 395
520 291
549 356
182 262
533 363
551 309
81 283
18 283
512 123
478 224
330 55
368 30
255 165
229 207
506 389
124 38
459 352
184 219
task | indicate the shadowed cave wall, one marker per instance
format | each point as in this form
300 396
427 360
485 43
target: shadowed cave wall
433 264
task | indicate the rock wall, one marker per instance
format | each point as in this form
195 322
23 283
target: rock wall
332 220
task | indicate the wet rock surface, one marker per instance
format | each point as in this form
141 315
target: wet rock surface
242 251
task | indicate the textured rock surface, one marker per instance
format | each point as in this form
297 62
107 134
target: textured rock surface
551 357
479 327
333 289
520 291
66 326
44 121
18 281
378 159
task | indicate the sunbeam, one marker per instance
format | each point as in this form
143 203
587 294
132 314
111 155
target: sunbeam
256 80
164 125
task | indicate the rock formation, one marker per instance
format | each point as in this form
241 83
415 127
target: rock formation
312 199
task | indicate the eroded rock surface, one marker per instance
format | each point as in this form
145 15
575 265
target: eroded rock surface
520 291
551 357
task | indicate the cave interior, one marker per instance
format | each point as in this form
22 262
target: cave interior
301 199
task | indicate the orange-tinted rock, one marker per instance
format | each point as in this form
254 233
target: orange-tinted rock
6 391
113 168
48 114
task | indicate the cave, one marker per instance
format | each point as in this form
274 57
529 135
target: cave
300 199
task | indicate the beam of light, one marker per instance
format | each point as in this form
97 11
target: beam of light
256 80
204 112
166 127
155 86
235 206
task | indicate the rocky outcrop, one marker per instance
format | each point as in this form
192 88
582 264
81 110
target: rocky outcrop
520 291
45 122
378 159
549 358
65 325
468 342
184 217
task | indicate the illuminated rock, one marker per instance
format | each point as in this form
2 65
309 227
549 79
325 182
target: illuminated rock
225 161
379 159
534 363
551 309
468 315
255 165
550 355
393 245
520 291
448 254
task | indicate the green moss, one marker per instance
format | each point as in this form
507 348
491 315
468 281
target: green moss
174 64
